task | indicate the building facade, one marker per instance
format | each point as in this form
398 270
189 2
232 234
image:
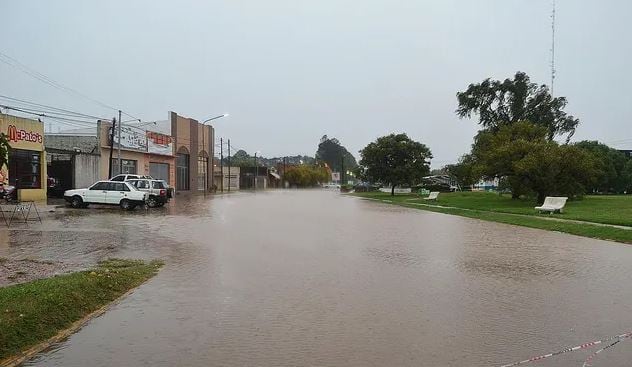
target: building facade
26 168
142 152
193 148
176 150
73 159
231 178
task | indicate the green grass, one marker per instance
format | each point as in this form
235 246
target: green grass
615 210
33 312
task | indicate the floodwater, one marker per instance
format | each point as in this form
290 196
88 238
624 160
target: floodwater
313 278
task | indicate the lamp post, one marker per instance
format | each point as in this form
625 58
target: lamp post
204 145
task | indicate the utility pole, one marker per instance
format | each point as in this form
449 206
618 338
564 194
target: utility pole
255 174
111 147
221 161
120 169
342 170
228 165
553 49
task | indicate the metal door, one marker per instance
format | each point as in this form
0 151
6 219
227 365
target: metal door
159 171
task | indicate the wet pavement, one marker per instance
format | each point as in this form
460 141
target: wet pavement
313 278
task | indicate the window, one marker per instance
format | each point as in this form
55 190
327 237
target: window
117 186
182 171
118 178
158 185
100 186
202 164
141 184
128 166
25 170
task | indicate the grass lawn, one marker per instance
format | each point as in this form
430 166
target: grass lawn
33 312
616 209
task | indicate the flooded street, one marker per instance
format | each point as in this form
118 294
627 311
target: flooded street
313 278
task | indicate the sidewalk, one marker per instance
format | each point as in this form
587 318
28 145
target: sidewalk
551 217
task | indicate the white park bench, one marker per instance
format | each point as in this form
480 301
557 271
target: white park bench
552 204
432 196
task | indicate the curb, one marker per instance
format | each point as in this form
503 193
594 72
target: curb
24 356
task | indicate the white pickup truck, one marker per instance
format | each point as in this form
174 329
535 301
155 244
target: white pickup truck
108 193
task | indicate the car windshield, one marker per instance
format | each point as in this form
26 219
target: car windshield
133 188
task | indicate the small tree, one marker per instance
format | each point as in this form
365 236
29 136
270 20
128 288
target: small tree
4 150
395 159
464 171
610 164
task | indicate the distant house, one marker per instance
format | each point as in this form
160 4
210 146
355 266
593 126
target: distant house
485 185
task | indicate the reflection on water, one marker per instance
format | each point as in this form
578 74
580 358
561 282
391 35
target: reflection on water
291 278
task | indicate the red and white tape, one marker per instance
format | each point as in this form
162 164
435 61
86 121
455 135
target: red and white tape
618 338
590 357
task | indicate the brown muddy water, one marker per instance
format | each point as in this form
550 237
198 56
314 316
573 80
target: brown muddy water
313 278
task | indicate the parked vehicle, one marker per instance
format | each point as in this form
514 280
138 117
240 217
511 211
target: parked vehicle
8 193
125 177
54 187
156 189
123 194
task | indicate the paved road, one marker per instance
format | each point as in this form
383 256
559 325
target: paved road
311 278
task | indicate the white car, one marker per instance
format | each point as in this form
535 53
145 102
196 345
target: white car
107 192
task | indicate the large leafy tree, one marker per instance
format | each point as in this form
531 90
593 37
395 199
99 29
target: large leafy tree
611 164
334 154
530 163
498 103
395 160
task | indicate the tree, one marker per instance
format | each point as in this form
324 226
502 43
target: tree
306 175
522 155
610 164
502 103
464 171
242 159
395 159
333 153
4 150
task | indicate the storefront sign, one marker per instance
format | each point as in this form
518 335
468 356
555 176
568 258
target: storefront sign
131 138
23 133
158 143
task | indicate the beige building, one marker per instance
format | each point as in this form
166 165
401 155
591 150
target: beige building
193 146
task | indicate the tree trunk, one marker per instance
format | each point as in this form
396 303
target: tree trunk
392 190
541 197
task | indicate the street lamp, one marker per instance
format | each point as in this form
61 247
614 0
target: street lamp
204 145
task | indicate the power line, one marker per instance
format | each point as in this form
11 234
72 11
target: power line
21 101
26 109
45 79
48 116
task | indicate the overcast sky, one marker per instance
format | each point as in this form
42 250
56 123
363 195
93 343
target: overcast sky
291 71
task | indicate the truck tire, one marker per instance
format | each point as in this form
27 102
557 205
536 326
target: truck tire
152 202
